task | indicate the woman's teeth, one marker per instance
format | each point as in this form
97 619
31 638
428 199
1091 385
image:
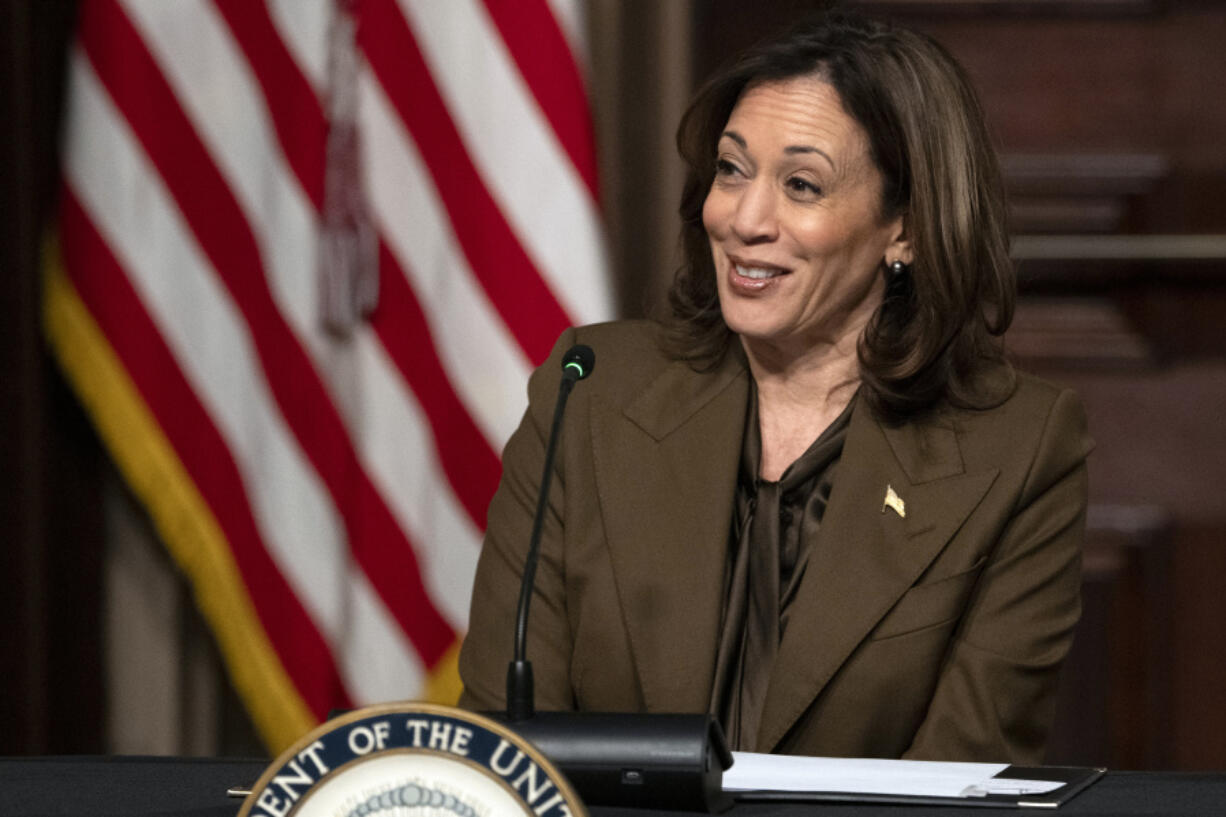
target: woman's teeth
759 273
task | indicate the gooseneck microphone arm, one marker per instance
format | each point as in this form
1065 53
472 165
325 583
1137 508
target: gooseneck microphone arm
577 364
670 761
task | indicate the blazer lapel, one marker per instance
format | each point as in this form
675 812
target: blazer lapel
666 471
866 557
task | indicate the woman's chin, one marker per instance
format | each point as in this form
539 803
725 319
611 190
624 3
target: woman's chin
758 333
755 320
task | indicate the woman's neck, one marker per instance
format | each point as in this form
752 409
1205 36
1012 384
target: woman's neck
799 396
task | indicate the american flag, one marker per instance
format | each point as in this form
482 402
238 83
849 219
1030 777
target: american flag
309 251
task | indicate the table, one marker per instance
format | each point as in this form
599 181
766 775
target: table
196 787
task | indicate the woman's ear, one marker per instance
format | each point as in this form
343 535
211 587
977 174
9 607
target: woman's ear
899 248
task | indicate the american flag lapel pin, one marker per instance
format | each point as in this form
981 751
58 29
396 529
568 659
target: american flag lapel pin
893 500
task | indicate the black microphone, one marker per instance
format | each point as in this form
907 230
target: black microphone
669 761
577 364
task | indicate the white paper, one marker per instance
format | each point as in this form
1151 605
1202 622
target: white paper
1013 786
921 778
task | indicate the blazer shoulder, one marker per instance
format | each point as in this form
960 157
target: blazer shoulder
615 343
1028 407
635 375
626 351
1040 426
629 355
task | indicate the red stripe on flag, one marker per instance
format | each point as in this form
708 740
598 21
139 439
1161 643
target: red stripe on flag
469 462
130 74
115 305
296 113
494 253
471 465
545 61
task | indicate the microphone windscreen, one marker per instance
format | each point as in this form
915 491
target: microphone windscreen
578 362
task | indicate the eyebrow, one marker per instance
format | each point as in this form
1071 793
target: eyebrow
790 149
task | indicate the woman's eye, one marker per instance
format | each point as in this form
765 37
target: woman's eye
723 167
801 187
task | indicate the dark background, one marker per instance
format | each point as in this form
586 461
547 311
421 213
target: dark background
1110 120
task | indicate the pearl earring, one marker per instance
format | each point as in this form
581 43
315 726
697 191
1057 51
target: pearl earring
898 268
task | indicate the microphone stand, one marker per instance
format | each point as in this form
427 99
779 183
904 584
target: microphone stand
665 761
577 364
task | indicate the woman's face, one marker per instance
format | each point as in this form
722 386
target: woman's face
794 217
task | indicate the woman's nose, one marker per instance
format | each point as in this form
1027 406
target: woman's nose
754 220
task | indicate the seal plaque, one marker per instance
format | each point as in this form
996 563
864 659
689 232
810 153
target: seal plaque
395 760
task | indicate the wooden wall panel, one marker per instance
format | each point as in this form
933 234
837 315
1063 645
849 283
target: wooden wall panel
50 653
1198 607
1115 701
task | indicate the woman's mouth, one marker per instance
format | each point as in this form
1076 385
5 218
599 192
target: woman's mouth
757 273
752 279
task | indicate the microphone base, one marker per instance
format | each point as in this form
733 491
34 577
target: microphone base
659 761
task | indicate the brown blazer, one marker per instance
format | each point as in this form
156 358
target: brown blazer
937 635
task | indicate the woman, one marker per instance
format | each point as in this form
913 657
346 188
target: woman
818 503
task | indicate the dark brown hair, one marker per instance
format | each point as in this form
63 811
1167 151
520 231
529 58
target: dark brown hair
938 328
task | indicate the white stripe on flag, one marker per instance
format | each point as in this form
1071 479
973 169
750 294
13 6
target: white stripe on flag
303 27
210 77
392 436
379 662
516 151
485 363
198 57
210 343
396 441
126 200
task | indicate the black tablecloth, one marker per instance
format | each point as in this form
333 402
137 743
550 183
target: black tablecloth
151 787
